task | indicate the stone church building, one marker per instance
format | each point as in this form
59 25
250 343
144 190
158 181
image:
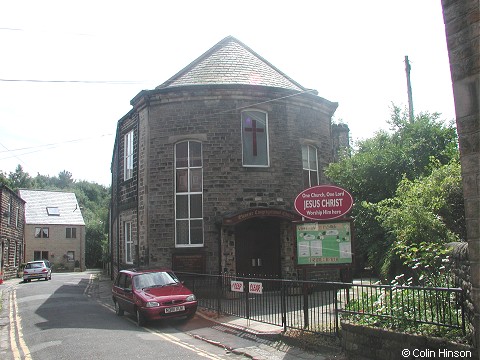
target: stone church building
207 165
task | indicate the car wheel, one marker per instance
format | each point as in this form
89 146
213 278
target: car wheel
141 321
118 309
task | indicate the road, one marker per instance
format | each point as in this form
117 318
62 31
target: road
58 319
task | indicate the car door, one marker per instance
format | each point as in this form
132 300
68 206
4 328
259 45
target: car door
123 291
128 292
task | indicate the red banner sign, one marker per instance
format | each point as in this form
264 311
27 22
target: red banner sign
323 202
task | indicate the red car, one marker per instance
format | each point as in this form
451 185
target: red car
152 295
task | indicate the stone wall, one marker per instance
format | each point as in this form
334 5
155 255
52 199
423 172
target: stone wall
12 223
461 271
462 25
362 343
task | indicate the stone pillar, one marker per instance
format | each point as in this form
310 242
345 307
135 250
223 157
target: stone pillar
462 25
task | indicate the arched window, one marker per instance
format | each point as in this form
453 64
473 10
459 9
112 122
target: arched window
188 194
255 138
310 166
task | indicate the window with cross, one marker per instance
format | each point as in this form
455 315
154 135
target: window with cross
255 138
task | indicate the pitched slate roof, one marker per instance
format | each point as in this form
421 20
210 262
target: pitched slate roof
37 202
231 62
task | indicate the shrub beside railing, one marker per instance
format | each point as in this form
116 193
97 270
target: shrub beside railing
432 311
319 306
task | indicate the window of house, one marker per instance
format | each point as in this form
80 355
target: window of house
40 255
9 211
14 245
71 233
188 194
254 138
70 256
17 217
128 243
128 156
310 166
41 232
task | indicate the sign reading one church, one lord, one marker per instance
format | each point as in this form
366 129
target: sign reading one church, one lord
324 241
323 202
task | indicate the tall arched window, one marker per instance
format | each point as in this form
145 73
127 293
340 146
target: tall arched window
188 194
310 166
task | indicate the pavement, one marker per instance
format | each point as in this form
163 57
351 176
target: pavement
254 340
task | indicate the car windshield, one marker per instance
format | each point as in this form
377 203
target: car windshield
34 265
154 279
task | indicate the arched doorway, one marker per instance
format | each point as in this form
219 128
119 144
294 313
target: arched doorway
257 247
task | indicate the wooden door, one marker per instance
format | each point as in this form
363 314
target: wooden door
257 247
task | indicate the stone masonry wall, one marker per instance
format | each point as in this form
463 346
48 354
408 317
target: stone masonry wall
462 25
11 231
461 271
205 115
366 343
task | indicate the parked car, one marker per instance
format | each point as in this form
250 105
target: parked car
152 295
39 269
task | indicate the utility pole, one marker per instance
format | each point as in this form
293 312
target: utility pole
409 89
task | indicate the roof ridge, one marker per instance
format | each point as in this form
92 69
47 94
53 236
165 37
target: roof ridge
217 47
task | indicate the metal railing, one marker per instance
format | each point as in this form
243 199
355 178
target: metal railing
318 307
395 306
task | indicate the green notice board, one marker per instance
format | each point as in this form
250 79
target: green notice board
324 243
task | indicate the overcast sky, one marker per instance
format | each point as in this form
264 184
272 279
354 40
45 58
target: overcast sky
90 58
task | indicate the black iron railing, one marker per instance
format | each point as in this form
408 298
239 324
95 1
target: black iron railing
412 308
319 306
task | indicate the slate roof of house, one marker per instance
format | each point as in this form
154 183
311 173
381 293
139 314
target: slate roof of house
231 62
62 206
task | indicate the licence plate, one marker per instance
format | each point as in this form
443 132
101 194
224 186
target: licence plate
174 309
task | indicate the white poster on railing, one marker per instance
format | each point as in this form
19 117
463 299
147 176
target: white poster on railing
255 288
236 286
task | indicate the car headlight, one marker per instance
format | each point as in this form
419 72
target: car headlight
191 298
150 304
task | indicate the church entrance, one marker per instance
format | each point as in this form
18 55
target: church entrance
257 247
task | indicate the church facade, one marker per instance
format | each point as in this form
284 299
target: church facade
206 167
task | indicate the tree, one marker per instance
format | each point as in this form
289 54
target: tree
64 180
377 166
20 179
426 214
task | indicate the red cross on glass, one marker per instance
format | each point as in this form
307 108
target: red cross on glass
254 131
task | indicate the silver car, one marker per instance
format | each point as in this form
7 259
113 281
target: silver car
40 269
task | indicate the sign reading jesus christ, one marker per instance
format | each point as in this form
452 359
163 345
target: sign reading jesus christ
254 138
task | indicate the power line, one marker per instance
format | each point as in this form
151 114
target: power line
23 162
43 147
120 82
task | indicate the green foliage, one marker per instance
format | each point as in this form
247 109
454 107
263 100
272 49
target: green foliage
377 173
93 199
425 215
408 309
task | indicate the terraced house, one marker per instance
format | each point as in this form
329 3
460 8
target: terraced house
206 167
12 224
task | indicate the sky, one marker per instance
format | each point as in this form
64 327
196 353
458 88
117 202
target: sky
68 69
